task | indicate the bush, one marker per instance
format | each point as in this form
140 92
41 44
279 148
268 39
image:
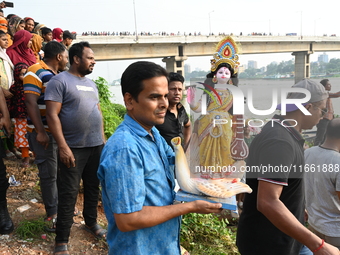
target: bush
206 234
31 229
113 114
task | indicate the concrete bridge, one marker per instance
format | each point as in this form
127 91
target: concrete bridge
174 50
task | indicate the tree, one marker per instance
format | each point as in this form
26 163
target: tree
333 66
113 114
314 68
271 69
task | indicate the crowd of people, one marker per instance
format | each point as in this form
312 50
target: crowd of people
163 33
32 55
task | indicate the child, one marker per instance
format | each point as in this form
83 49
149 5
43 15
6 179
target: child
46 34
18 111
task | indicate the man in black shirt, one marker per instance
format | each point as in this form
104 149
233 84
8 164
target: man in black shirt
272 218
176 122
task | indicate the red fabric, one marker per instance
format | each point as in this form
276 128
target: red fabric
28 18
56 34
19 52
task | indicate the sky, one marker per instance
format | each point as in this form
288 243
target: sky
311 17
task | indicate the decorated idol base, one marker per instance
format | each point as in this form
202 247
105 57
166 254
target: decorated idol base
227 203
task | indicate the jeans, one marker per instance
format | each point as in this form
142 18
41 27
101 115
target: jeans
47 162
87 163
305 251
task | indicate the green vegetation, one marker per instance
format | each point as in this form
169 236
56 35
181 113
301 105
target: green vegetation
196 74
31 229
332 67
113 114
206 234
287 69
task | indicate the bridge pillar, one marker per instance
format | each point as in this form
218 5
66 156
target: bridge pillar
302 65
175 64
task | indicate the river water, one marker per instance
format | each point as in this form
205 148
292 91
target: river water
262 93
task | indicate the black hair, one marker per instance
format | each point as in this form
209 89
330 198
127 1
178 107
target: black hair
233 80
233 75
67 35
77 50
45 30
1 10
2 33
176 77
324 82
52 49
133 77
10 16
333 129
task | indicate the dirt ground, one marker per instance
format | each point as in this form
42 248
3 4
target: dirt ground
81 241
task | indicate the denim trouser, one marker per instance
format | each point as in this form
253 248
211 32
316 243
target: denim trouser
87 163
305 251
47 162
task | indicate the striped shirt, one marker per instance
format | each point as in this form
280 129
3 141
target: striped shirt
35 82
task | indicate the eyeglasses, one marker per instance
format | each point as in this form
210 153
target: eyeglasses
323 111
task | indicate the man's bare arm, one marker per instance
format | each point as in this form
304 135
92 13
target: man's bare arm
334 95
187 133
270 205
151 216
52 111
5 120
34 114
338 193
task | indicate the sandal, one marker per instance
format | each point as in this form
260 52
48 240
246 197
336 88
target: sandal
10 156
97 231
76 212
17 154
50 224
61 249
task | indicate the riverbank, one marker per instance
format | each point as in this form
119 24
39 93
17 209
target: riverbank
28 195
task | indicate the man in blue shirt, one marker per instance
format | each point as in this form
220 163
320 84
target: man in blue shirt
135 174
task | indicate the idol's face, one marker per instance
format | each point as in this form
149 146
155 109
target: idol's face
223 75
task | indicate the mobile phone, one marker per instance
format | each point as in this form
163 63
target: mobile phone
8 4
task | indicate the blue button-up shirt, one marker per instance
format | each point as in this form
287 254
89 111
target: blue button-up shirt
135 171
